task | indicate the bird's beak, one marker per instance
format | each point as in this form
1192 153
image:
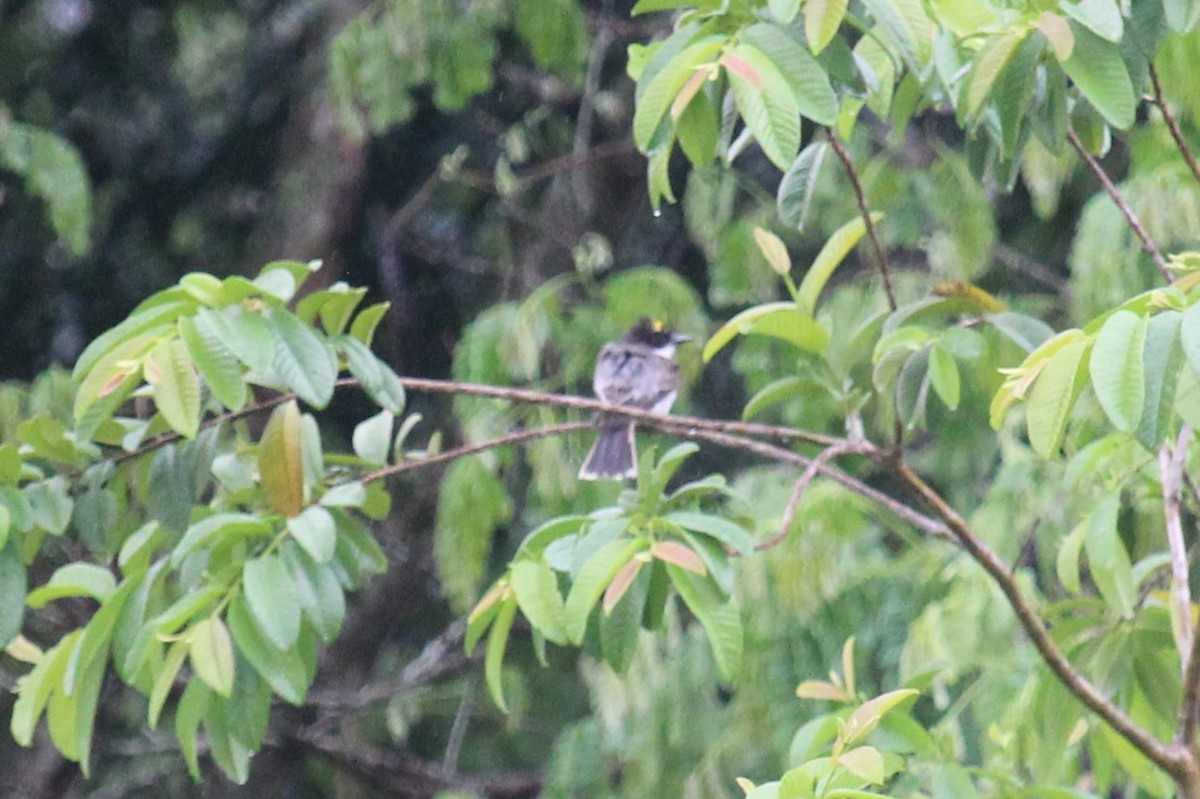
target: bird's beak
681 338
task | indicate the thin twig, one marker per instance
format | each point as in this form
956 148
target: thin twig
1170 466
1189 704
1172 125
1171 759
865 209
789 513
472 449
1113 192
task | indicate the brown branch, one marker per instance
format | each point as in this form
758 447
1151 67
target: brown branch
588 404
1170 465
1114 193
1189 705
789 513
1172 125
865 209
1172 759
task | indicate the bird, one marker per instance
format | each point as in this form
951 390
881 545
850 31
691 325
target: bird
636 371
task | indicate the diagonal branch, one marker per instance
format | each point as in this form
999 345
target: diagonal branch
789 513
1170 465
1171 759
1113 192
865 209
1172 125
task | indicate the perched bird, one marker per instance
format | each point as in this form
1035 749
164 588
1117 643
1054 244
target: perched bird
637 371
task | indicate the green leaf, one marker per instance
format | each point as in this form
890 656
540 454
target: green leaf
1101 17
904 24
345 495
1097 69
316 533
164 680
943 376
302 360
1054 394
53 171
1182 15
699 129
382 384
989 63
783 389
1117 369
784 10
829 258
225 526
283 669
782 320
660 91
364 325
50 504
211 654
13 584
547 533
192 707
1108 561
35 688
1162 359
493 664
472 504
244 332
74 579
720 618
1026 332
372 437
813 94
822 18
765 101
726 532
1067 562
864 762
270 597
216 363
139 322
799 183
597 572
536 588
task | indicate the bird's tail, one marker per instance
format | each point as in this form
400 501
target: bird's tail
614 455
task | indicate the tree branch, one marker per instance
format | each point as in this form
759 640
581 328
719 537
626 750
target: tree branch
588 404
789 513
865 209
1147 243
1170 465
1172 125
1172 760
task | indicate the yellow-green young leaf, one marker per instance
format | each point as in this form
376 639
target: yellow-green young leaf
766 102
1098 70
830 257
848 665
34 689
368 319
1058 32
164 680
964 17
943 374
170 371
536 587
1054 394
493 661
989 64
660 92
111 370
13 584
782 320
819 689
211 654
822 18
280 461
774 250
865 762
866 716
74 579
1116 369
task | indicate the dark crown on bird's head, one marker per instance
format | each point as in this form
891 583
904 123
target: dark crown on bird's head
653 333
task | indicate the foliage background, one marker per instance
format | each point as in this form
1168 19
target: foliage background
487 186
